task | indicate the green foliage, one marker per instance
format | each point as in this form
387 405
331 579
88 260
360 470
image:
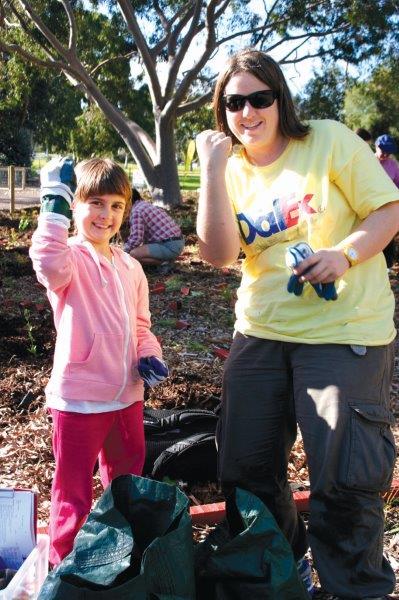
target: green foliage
93 135
189 125
15 142
350 30
101 45
174 283
374 103
196 346
189 180
323 96
186 223
24 223
48 108
35 107
30 329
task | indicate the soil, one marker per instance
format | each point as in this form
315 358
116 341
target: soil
192 314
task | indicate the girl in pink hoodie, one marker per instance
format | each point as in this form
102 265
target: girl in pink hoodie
104 349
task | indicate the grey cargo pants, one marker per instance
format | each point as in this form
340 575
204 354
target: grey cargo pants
340 401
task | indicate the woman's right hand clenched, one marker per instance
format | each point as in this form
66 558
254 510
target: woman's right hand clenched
213 149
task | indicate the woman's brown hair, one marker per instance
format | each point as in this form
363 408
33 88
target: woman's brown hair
266 69
99 176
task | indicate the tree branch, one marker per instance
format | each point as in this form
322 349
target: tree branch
210 45
23 24
164 21
10 48
302 58
189 13
194 104
72 24
112 59
185 44
145 53
160 45
233 36
305 38
45 31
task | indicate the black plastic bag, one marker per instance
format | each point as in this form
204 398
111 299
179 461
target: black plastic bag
180 444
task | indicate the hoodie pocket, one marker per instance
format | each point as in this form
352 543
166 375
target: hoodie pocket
372 447
104 362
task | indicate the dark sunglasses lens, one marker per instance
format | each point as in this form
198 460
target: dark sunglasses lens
262 99
234 103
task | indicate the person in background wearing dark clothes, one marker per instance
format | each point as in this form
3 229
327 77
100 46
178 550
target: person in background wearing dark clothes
385 145
154 238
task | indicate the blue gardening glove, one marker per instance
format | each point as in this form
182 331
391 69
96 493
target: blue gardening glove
58 183
152 370
293 257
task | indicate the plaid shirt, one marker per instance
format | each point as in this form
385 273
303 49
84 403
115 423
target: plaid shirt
149 223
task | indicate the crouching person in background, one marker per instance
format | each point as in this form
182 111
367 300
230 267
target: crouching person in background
155 238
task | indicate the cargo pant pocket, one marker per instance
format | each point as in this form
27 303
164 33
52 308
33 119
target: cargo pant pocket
372 447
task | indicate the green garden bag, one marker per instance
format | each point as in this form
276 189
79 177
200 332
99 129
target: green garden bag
136 544
253 563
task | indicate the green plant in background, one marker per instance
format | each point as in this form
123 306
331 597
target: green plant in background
32 348
228 293
186 223
13 237
196 346
166 322
24 223
173 283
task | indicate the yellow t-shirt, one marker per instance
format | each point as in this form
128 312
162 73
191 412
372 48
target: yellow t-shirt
318 191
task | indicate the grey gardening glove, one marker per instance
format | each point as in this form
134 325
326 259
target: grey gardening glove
58 183
152 370
293 257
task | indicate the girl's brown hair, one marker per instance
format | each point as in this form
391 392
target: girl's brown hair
263 67
99 176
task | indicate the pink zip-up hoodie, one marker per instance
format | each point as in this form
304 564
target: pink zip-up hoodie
101 315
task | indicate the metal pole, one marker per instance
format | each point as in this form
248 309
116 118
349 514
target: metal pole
11 185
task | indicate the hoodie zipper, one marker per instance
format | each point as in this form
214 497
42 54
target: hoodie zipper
126 338
125 313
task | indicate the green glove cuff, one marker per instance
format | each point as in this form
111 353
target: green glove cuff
56 204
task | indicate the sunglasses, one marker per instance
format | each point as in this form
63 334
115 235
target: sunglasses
262 99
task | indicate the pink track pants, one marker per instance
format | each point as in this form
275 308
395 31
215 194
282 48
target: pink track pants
115 438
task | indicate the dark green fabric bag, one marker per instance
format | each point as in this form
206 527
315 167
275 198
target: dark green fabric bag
253 563
136 544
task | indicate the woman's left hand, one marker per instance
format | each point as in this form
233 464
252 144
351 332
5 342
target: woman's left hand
324 266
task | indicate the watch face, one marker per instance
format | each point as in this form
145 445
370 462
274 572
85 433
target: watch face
352 253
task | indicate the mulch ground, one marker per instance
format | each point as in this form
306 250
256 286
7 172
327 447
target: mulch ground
193 315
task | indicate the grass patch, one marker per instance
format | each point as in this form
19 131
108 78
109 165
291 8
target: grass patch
189 180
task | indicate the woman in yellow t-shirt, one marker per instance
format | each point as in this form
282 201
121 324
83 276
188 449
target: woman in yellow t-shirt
270 182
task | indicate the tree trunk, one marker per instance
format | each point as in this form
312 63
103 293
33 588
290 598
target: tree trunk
167 191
